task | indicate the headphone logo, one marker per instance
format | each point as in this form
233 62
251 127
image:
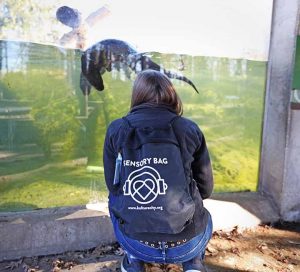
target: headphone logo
144 185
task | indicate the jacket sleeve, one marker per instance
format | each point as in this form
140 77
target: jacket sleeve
201 166
109 158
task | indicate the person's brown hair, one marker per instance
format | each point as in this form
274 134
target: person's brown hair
151 86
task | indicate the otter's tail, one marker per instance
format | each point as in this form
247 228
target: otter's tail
170 74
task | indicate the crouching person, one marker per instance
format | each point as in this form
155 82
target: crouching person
158 171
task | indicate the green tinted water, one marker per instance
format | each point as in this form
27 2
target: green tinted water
51 136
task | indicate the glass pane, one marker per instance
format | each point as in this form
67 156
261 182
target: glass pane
295 99
51 134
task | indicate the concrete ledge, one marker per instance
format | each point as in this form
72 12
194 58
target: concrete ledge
243 209
53 231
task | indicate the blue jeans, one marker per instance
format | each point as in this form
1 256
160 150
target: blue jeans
179 254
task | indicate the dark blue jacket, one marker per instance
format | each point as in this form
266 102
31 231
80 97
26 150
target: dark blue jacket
194 154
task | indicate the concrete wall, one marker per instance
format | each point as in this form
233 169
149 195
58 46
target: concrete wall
57 230
280 156
52 231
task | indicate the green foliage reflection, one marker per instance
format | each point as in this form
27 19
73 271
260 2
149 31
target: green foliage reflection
50 133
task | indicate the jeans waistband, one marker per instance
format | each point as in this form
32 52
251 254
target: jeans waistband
164 254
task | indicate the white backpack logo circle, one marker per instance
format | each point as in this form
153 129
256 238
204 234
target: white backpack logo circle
144 185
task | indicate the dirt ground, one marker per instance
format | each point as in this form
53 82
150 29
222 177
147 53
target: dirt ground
263 248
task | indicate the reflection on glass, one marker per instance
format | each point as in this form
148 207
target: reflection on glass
295 97
51 135
113 54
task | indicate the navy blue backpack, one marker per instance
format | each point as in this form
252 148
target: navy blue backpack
153 188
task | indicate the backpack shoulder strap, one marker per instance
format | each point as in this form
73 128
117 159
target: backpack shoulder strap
183 155
171 123
128 129
174 119
126 122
